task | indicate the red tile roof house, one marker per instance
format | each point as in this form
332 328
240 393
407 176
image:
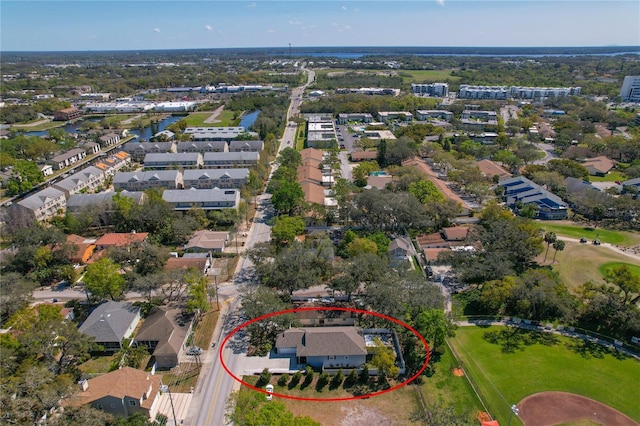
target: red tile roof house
121 393
120 239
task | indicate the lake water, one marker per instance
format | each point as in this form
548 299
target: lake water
145 134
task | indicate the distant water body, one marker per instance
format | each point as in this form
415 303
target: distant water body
491 55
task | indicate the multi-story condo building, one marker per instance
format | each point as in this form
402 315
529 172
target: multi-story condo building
425 114
387 116
245 146
630 91
361 117
205 199
230 160
87 179
185 160
214 133
519 92
213 146
431 89
483 92
40 206
215 178
141 181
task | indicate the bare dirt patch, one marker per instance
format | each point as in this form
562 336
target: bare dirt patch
552 408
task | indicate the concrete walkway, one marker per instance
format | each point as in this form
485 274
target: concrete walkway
181 403
213 118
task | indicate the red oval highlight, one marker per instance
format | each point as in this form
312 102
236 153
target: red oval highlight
351 398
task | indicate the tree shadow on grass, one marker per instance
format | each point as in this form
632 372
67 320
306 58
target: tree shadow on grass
512 339
588 350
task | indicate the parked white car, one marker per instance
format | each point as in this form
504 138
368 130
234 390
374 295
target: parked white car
269 392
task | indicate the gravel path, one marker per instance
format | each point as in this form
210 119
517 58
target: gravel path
213 118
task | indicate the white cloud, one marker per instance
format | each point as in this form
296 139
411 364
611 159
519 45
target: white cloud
272 31
440 2
251 5
347 27
344 7
157 30
335 24
208 27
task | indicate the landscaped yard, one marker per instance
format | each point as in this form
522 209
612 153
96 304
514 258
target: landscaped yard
567 229
96 365
612 176
390 408
523 363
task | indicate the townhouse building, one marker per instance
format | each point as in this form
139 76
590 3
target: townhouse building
246 146
87 179
67 159
205 199
230 160
141 181
170 160
215 178
40 206
202 147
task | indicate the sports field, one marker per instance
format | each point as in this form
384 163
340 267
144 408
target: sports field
520 363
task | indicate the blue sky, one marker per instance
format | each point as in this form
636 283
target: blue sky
32 25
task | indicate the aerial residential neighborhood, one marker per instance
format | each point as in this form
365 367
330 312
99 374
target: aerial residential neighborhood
342 235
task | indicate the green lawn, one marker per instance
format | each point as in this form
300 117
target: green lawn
612 176
619 238
411 76
449 390
39 127
525 363
635 269
225 119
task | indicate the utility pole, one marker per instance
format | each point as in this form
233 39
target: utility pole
165 388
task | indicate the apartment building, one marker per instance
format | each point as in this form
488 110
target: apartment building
205 199
230 160
215 178
169 160
630 90
430 89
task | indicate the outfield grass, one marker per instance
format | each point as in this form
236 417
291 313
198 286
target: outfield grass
619 238
449 390
506 377
411 76
634 268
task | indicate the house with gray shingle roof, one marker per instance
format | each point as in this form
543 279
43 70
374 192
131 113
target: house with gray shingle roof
110 323
164 332
324 347
68 158
138 150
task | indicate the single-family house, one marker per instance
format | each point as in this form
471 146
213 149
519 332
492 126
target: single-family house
400 249
490 169
110 323
121 393
631 182
314 317
83 248
370 155
599 166
164 332
46 169
378 181
206 241
200 264
324 347
116 239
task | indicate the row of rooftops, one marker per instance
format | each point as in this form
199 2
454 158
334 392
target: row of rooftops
194 146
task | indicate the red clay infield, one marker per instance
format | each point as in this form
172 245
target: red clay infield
552 408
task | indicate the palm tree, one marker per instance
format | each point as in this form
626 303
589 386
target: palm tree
558 245
549 238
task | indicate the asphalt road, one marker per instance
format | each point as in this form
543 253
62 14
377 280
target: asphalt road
209 403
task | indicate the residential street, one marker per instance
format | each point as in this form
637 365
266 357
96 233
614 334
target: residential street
209 403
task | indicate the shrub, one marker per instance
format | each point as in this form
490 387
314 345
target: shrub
283 380
265 376
295 379
337 379
323 381
352 378
364 374
308 376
